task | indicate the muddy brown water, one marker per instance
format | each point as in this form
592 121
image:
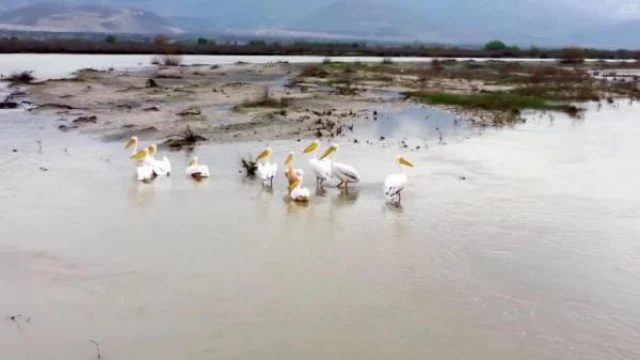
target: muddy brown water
533 256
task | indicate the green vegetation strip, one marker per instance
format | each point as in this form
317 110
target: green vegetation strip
499 101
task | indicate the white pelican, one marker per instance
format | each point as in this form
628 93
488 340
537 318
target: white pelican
197 171
321 168
288 164
144 170
133 144
395 183
266 170
346 173
160 167
297 192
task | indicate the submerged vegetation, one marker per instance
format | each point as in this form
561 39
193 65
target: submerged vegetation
20 77
493 87
264 100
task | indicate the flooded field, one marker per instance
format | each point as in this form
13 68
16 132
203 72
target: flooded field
519 243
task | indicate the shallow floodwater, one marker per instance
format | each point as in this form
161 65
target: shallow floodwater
533 256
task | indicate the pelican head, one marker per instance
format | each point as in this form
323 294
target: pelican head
333 148
264 154
288 162
403 161
152 149
312 147
140 154
133 141
194 161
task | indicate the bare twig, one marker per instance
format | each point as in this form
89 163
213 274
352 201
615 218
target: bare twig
99 356
15 318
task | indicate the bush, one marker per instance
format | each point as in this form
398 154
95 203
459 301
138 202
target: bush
202 41
167 60
572 56
21 77
495 45
161 40
110 39
387 61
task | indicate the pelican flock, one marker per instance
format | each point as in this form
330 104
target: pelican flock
324 167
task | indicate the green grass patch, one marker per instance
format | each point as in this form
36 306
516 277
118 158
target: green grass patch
501 101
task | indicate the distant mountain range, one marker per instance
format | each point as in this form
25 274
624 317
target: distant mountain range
603 23
56 17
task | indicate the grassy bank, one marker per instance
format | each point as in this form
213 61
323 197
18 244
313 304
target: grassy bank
499 101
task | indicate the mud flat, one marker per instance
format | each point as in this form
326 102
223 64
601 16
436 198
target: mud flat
263 102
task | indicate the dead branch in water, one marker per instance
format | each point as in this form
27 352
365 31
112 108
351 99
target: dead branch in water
250 165
99 356
186 138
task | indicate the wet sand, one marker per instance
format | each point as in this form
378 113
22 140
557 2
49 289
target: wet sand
214 101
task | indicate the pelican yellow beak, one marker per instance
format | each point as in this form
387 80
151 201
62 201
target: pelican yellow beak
264 154
328 153
312 147
405 162
153 149
140 154
132 142
289 160
294 184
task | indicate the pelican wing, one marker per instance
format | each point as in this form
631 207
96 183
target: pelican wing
198 171
346 172
321 168
160 168
393 184
262 171
271 169
144 172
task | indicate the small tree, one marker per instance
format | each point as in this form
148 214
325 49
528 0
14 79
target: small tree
495 45
110 39
257 43
161 40
202 41
572 55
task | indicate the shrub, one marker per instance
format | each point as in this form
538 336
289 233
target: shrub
495 45
110 39
21 77
167 60
572 56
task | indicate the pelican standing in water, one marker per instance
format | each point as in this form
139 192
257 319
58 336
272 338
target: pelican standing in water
288 165
296 191
160 167
346 173
266 170
144 170
197 171
321 168
395 183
